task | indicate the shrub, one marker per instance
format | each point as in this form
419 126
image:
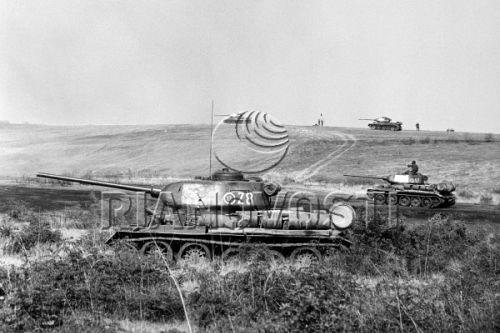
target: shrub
244 296
408 141
485 199
126 287
37 232
319 301
422 249
470 140
467 194
488 137
17 210
439 276
425 140
6 230
81 219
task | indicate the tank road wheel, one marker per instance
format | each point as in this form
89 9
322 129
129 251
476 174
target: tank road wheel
369 195
265 254
393 199
276 255
427 202
379 199
194 251
159 249
436 202
415 202
404 201
306 255
233 253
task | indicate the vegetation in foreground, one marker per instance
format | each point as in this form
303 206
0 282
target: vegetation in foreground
441 276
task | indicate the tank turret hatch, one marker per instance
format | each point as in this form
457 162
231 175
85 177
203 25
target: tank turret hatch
226 174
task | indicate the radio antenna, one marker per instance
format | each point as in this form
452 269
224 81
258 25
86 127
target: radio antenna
211 140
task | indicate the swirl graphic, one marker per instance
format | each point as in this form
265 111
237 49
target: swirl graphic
250 142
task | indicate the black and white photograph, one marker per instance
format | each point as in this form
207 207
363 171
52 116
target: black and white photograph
183 166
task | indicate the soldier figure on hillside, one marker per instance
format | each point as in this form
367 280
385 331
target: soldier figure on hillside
412 169
417 125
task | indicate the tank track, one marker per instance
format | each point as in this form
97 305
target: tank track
385 127
411 199
224 243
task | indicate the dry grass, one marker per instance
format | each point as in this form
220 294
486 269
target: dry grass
158 154
141 326
368 291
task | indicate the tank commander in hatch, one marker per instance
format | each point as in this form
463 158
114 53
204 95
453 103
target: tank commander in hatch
412 169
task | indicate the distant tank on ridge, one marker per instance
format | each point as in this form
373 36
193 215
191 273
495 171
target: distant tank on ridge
384 123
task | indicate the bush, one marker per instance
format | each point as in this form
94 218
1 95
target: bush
467 194
319 302
17 210
37 232
81 219
488 137
6 230
485 199
425 140
408 141
126 287
422 249
438 277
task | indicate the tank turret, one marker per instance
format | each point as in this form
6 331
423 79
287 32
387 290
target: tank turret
224 189
410 190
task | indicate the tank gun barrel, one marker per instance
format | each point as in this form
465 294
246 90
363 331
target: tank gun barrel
366 119
370 177
152 191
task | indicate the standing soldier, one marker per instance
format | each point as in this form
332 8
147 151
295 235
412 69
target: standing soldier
320 119
417 126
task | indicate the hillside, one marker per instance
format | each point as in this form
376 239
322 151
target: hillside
316 154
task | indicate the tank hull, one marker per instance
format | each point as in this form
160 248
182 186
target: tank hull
282 232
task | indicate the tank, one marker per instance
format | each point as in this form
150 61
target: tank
222 214
385 123
411 190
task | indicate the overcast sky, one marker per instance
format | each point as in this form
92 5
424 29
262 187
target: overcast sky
134 62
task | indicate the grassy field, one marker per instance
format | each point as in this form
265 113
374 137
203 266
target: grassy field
317 154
